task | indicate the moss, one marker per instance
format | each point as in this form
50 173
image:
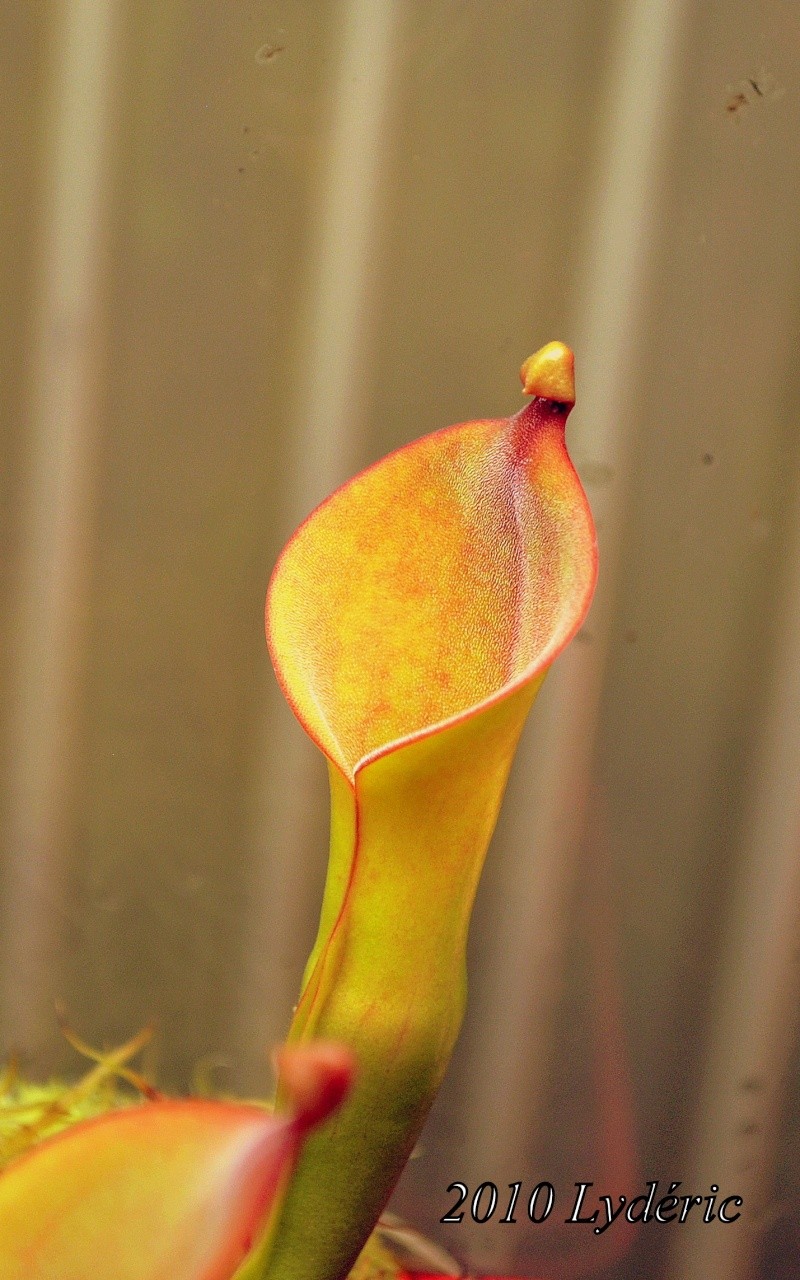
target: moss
30 1112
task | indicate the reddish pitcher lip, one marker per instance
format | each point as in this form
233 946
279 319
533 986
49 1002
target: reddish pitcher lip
570 593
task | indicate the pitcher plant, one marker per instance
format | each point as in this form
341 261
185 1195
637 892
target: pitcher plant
411 620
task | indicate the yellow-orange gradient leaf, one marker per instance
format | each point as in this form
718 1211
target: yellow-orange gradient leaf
169 1190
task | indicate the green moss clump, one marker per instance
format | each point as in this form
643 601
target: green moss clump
31 1112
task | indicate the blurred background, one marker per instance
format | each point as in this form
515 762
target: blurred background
249 247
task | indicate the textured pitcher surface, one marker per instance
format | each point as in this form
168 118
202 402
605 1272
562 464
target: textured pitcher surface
411 620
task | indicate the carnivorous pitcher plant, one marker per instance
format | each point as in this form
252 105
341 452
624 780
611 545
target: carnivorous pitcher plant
411 620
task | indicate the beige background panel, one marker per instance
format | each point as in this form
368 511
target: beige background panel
317 231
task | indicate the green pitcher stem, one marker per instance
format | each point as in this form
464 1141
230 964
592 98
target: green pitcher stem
387 975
